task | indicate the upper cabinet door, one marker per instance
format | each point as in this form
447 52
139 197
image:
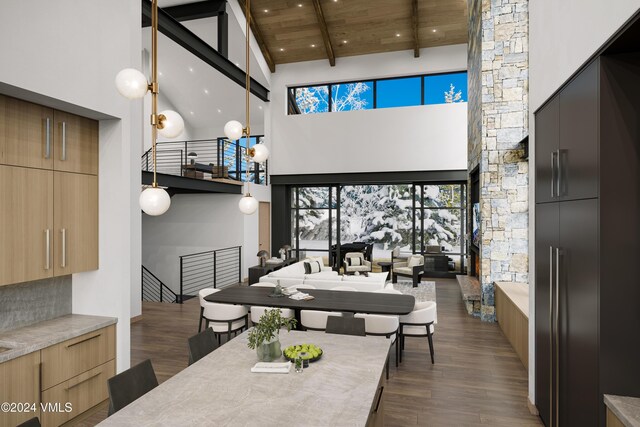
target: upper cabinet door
26 224
547 138
26 134
579 135
76 144
75 219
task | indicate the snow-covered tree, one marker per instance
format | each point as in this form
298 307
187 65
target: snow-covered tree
351 99
313 99
452 96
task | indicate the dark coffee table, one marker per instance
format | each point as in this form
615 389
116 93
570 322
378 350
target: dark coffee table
386 266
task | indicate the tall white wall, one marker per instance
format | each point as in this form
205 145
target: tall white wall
562 36
198 223
432 137
66 54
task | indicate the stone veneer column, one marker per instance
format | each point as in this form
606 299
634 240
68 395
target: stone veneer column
498 120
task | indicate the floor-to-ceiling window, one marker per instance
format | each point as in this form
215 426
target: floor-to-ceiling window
417 218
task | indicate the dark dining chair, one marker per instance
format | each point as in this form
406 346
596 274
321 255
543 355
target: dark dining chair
201 344
131 384
345 326
33 422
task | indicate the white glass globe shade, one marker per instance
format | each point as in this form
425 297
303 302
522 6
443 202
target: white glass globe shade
233 130
173 125
248 204
155 201
131 83
260 153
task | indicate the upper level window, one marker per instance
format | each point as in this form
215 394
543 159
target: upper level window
445 88
398 92
381 93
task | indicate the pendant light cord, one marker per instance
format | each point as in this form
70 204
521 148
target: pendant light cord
248 89
154 85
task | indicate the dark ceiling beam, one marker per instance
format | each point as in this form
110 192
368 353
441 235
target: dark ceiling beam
191 11
194 44
325 32
255 29
414 25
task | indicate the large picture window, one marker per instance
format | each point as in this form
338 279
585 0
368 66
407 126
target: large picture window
428 89
416 218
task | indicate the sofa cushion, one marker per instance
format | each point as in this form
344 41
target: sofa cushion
311 267
359 268
324 275
315 258
354 261
372 277
403 270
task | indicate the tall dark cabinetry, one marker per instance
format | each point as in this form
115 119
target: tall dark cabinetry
587 243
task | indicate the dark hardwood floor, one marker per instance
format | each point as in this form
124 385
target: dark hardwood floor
477 378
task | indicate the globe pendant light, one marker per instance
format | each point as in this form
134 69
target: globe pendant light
132 84
234 129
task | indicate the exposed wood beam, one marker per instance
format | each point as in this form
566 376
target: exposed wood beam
194 44
325 32
190 11
414 20
258 35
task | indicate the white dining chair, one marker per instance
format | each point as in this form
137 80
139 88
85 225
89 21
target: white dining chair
258 311
344 288
316 320
380 325
419 323
222 318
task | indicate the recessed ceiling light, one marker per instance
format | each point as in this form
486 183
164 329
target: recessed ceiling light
191 69
313 45
344 42
281 49
191 112
299 4
260 107
434 30
219 110
206 91
266 11
397 34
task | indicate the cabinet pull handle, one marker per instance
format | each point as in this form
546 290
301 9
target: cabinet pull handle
553 174
551 334
47 145
63 156
559 178
84 340
83 381
63 264
47 250
557 337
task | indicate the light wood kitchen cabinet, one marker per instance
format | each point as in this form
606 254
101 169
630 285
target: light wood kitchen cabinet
75 205
26 134
20 383
26 224
75 144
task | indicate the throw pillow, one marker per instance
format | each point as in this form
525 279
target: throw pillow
355 261
413 261
307 267
315 267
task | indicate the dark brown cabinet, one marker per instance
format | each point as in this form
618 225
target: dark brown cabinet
587 241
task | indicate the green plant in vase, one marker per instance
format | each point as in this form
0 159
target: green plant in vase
264 336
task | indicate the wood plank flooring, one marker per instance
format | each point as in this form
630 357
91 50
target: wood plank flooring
477 378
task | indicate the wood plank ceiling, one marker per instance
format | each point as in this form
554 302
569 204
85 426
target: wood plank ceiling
292 30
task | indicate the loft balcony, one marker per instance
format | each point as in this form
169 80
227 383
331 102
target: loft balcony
202 166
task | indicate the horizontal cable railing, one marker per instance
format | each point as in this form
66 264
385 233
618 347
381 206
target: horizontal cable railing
205 159
154 290
211 269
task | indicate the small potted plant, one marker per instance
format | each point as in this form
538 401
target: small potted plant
264 336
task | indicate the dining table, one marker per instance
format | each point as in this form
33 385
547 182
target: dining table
345 387
323 300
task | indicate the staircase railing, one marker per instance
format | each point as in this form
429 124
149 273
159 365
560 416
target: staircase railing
211 269
220 158
154 290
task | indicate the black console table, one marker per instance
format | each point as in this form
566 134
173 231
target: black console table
257 271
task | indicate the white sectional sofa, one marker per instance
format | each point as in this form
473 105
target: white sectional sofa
294 274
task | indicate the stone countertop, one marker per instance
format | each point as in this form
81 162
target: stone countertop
220 390
627 409
44 334
518 293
